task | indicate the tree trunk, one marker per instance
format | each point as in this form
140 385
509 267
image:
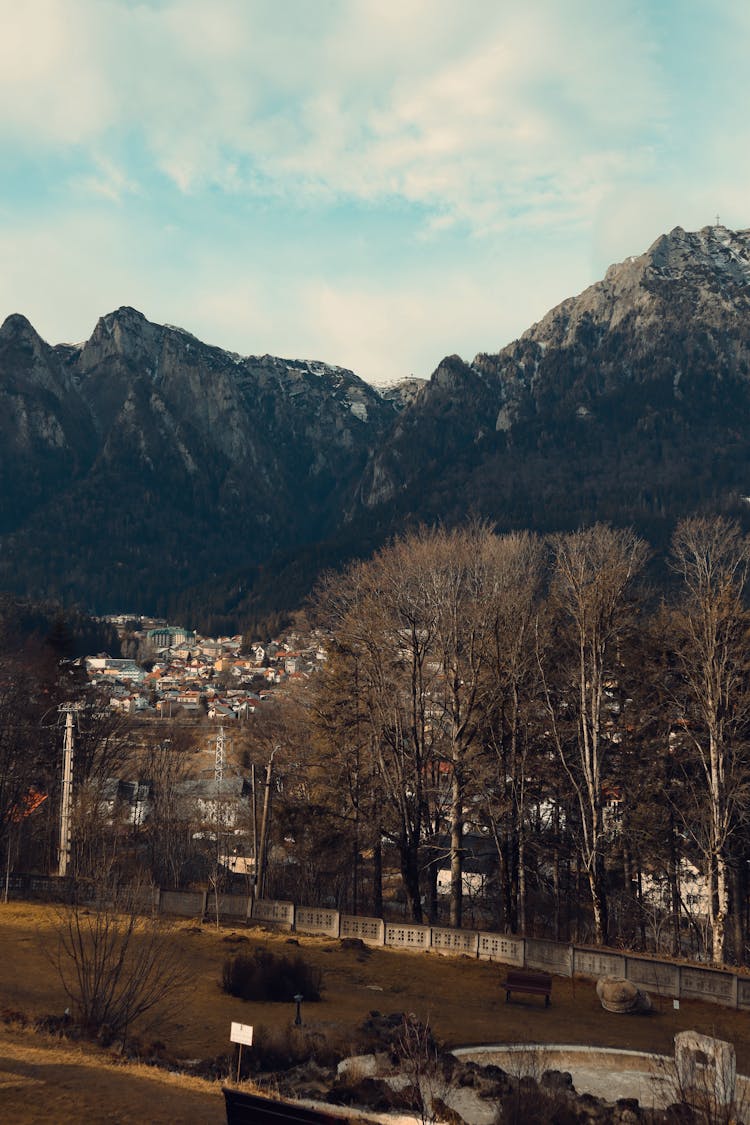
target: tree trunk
737 914
599 902
521 880
355 863
456 827
556 893
719 919
674 889
377 879
410 879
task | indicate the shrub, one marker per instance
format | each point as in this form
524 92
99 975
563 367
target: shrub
115 965
268 976
279 1049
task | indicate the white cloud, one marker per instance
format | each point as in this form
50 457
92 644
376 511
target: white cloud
506 154
53 87
454 109
107 180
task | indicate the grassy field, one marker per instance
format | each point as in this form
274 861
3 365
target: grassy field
461 998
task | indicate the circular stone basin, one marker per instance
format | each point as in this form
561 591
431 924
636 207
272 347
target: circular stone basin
605 1072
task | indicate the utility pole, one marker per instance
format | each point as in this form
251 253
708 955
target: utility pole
255 830
219 762
66 805
262 861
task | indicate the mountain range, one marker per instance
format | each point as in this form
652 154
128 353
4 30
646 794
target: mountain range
145 470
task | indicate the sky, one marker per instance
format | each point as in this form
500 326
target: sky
373 183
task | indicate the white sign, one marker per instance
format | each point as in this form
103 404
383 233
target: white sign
242 1033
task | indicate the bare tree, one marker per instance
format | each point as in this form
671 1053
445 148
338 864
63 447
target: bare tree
168 830
510 708
592 573
343 770
712 557
103 750
419 1061
464 592
274 753
381 611
116 964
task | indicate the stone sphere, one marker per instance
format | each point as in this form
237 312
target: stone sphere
620 995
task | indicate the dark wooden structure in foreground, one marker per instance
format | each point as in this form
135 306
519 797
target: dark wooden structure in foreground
253 1109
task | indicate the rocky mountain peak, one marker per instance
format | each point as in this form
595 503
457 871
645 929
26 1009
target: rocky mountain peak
124 333
403 392
25 360
712 265
16 325
714 249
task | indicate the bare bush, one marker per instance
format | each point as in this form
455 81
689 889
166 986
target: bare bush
418 1056
116 964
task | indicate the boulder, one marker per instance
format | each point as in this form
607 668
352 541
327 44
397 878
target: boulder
620 995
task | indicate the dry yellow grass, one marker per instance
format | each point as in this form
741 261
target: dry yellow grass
460 997
41 1080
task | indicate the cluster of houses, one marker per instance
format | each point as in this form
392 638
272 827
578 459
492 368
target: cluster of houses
176 671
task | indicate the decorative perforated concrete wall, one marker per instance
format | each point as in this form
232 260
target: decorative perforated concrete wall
661 978
315 920
407 937
273 912
369 930
502 947
708 984
456 942
597 963
552 956
657 977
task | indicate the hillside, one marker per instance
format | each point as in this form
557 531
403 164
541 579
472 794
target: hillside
461 998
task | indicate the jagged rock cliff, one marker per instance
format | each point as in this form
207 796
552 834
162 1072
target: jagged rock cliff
158 461
628 402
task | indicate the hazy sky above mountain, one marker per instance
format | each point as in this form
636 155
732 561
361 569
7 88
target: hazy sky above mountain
375 183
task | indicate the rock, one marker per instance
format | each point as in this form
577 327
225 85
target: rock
352 943
446 1113
557 1080
592 1109
620 995
374 1093
362 1066
627 1111
678 1114
489 1082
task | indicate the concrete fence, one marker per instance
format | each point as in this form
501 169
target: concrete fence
660 978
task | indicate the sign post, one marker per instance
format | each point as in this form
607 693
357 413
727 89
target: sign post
241 1033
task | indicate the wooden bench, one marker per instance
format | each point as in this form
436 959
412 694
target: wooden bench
521 980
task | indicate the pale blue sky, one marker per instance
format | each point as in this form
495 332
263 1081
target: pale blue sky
374 183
